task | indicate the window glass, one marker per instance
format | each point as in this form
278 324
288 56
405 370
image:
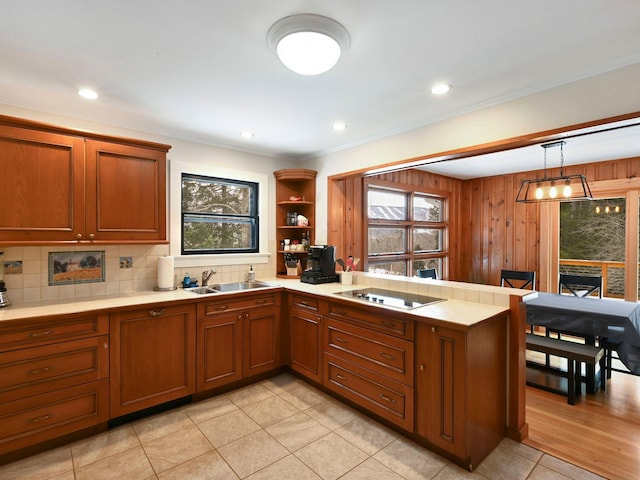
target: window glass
592 241
386 240
390 268
428 263
218 215
387 205
427 240
427 209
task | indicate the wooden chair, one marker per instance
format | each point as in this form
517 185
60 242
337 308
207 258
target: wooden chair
427 273
518 279
580 285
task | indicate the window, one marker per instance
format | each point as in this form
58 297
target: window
407 231
218 215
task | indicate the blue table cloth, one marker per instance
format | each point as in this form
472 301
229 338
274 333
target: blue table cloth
616 320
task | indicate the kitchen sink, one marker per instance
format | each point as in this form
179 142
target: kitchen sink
201 290
236 286
227 287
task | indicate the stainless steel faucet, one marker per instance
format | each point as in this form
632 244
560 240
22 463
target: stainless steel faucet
206 275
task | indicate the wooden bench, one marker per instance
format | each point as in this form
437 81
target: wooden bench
575 353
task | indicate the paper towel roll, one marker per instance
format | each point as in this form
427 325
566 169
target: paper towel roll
165 273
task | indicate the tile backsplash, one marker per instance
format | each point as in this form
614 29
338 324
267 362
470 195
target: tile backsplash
128 268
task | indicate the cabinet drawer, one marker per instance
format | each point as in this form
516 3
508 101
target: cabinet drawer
42 417
32 371
48 330
233 303
384 354
304 301
390 400
373 317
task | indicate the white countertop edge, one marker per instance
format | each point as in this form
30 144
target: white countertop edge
452 310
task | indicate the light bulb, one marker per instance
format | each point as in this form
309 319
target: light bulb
606 209
553 191
617 208
598 209
539 192
566 191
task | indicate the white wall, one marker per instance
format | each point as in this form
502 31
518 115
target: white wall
601 96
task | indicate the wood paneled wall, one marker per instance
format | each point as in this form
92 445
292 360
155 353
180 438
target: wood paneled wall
499 233
347 218
488 230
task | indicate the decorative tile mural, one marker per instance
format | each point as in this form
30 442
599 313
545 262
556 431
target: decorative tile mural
67 268
13 267
126 262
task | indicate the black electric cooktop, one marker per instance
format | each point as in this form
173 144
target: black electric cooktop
390 298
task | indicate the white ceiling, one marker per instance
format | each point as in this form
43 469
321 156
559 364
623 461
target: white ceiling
201 70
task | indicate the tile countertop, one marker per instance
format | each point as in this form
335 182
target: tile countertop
452 310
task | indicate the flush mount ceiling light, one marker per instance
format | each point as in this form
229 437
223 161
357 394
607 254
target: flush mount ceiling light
440 89
308 44
548 189
88 93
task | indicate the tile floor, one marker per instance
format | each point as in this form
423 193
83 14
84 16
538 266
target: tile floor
281 429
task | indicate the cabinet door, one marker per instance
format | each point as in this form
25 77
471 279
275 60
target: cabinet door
261 333
126 193
42 191
441 387
306 343
152 357
219 350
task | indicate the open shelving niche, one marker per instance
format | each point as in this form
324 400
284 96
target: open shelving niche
298 183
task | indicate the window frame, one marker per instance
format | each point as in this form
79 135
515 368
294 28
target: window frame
176 168
409 256
252 219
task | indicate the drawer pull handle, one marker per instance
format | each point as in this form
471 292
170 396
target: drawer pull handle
220 307
387 399
387 356
41 370
156 313
341 377
341 312
262 301
386 323
422 367
40 334
341 340
41 418
304 303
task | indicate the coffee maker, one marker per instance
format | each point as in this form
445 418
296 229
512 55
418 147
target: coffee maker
321 265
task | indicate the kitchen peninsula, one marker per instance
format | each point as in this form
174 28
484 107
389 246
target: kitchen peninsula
400 366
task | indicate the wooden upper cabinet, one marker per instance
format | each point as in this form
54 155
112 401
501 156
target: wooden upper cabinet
42 186
126 192
62 186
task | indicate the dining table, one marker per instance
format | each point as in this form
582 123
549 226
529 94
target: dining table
616 320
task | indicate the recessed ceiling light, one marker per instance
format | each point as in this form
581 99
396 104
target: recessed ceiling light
88 93
246 134
339 126
440 89
308 44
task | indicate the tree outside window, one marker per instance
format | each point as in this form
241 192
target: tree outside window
219 215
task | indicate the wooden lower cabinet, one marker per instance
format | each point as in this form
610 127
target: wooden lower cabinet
219 350
238 337
369 360
54 378
152 356
461 388
305 329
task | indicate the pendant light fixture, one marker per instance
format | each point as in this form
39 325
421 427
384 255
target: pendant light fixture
308 44
549 189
